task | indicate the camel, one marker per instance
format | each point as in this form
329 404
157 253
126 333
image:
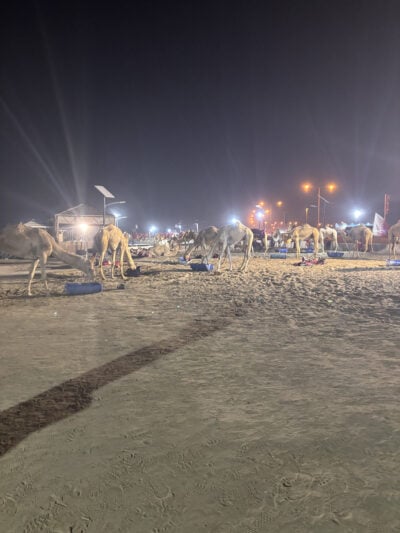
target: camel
204 239
162 248
111 238
37 244
279 239
227 237
360 235
393 238
300 233
328 234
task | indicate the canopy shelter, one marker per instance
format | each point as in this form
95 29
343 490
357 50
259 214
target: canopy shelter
79 224
33 224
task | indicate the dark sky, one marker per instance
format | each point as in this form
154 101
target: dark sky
194 111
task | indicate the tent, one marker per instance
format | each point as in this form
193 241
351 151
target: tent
79 224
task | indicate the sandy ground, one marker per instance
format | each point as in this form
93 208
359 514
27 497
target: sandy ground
195 402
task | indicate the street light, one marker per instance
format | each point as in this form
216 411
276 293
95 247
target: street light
330 187
107 194
118 218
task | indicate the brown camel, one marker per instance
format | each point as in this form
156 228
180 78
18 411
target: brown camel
227 237
111 238
204 239
36 244
300 233
393 238
361 236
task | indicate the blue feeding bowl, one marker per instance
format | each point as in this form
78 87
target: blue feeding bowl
201 267
335 254
393 262
279 255
282 250
83 288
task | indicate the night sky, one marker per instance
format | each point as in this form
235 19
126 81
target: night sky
195 111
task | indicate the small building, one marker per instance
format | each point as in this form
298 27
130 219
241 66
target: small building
76 227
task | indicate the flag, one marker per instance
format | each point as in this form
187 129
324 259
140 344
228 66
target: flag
379 227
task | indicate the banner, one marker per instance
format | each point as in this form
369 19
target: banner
386 206
379 228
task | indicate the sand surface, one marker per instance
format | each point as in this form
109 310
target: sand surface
265 401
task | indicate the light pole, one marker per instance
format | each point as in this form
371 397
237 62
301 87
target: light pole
108 205
307 209
117 219
331 187
106 194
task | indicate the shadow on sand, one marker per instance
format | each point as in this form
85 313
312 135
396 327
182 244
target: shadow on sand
74 395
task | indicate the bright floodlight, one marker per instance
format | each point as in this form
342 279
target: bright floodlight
357 213
83 227
105 192
152 229
234 220
260 215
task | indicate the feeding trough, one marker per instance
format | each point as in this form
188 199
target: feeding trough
83 288
335 254
393 262
133 272
278 255
201 267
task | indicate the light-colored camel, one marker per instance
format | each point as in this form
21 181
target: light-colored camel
162 248
37 244
393 238
330 234
300 233
227 237
112 238
361 236
204 239
279 239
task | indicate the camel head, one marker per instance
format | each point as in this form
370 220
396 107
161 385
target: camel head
91 268
88 269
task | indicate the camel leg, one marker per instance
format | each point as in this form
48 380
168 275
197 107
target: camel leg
188 251
114 253
209 255
102 255
243 266
223 251
31 274
298 248
130 259
246 258
122 264
228 252
43 261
